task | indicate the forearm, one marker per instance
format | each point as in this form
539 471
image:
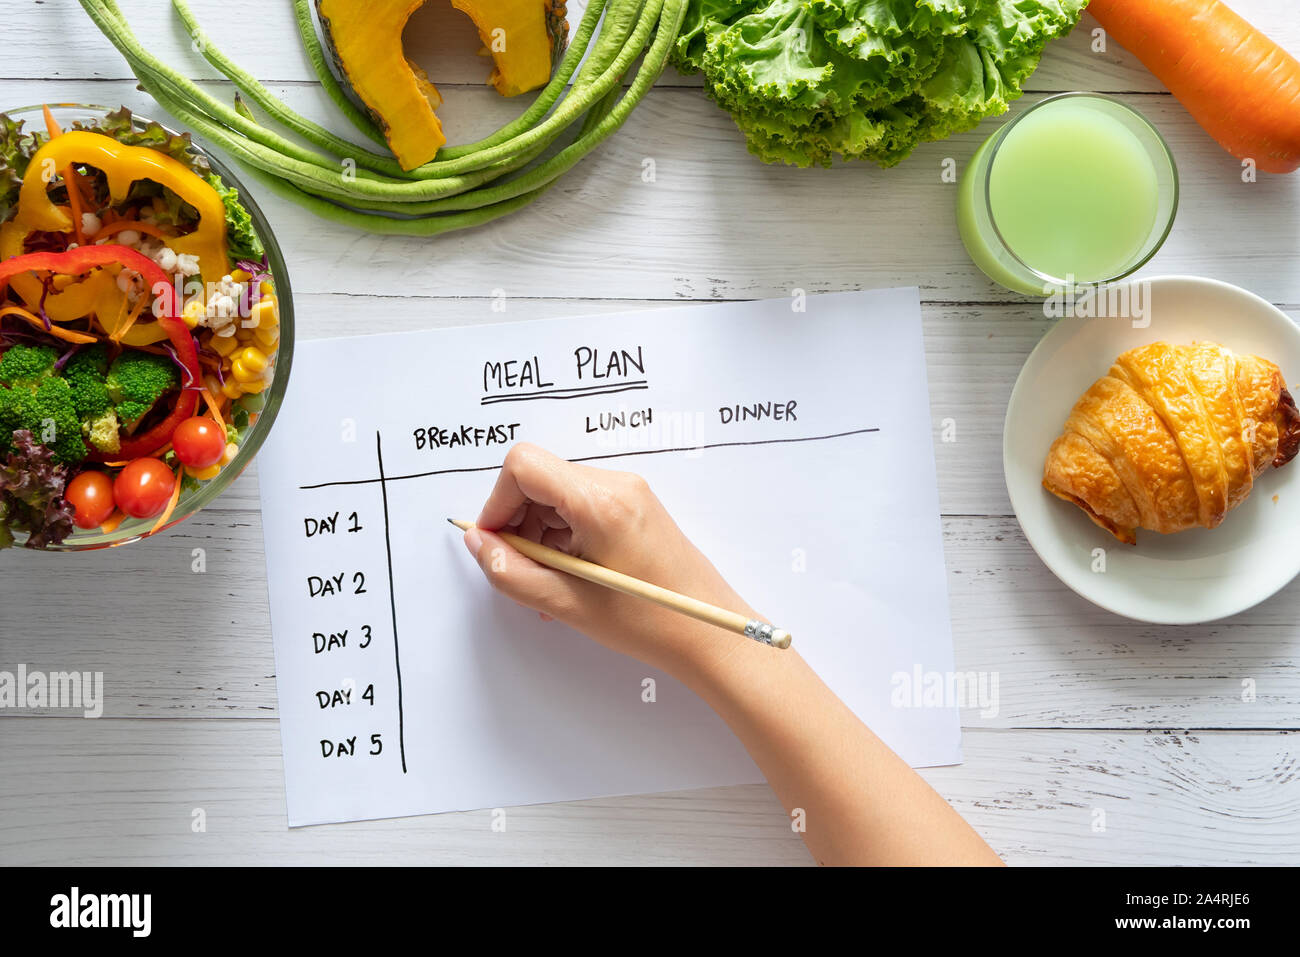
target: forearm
860 802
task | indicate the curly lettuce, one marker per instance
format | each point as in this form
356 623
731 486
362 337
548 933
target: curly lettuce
31 495
241 236
809 80
16 149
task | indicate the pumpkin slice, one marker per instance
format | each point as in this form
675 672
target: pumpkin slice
525 38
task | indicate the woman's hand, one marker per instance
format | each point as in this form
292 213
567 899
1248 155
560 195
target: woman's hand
612 519
860 802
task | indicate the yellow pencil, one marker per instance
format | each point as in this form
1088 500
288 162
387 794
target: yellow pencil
760 631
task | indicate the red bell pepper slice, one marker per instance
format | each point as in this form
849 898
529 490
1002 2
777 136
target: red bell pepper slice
74 262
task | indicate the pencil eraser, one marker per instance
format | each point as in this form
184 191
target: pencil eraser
780 638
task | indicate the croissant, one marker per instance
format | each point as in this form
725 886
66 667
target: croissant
1172 438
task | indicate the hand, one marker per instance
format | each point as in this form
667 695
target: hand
613 519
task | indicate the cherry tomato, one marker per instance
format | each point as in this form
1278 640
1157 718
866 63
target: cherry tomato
91 495
199 442
143 487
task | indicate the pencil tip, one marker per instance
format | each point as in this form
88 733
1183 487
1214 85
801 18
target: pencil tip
451 521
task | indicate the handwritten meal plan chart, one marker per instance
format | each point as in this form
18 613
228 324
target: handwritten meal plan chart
791 441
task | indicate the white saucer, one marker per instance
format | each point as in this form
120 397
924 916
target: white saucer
1192 576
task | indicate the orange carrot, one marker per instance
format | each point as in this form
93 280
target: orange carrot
213 408
55 329
51 124
70 178
1238 84
171 503
148 229
114 520
121 330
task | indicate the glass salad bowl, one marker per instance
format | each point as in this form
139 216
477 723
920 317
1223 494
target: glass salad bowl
260 419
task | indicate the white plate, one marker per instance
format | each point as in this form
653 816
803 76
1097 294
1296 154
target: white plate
1192 576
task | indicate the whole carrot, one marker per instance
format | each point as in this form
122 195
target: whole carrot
1240 86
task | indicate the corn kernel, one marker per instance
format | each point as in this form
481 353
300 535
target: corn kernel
224 345
193 312
231 451
232 389
243 335
266 338
266 289
204 474
266 312
240 275
254 360
241 372
254 385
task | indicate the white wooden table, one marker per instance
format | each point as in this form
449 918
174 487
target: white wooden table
1098 714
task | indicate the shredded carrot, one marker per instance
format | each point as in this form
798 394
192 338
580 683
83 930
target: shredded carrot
51 124
159 453
55 330
122 330
149 229
171 504
117 320
73 185
113 521
213 407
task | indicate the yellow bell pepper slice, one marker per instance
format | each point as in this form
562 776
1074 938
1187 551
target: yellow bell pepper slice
123 166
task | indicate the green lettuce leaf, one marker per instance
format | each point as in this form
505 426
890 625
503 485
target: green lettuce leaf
16 149
241 237
810 80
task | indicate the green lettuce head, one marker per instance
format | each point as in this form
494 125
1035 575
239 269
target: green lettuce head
808 80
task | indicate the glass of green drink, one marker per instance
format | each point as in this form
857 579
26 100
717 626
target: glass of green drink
1077 190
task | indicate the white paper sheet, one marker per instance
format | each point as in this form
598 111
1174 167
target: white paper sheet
453 697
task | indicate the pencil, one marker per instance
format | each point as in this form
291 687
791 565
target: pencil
760 631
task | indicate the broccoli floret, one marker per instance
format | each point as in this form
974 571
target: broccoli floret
26 364
46 410
102 432
84 373
136 380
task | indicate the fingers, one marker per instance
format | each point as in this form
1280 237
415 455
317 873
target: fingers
537 520
529 474
560 539
553 593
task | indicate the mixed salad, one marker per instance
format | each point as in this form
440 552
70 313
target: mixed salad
138 325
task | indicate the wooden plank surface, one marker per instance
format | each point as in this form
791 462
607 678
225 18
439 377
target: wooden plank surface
1148 724
261 36
1083 797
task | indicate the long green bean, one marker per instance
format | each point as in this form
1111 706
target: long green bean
465 185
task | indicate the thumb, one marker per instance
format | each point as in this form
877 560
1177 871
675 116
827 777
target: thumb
520 578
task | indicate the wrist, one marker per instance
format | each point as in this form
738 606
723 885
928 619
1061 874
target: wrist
721 666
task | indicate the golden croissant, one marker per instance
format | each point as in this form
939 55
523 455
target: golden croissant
1172 438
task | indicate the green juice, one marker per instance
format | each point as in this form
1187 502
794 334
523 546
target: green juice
1072 188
